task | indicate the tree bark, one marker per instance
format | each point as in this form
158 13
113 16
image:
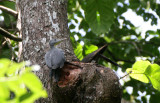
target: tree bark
43 20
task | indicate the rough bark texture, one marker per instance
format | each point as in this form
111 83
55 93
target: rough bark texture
42 20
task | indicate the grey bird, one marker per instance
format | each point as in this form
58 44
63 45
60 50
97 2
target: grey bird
55 59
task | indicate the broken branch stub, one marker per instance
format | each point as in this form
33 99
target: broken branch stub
92 84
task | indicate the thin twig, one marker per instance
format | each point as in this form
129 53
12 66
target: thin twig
126 75
136 47
9 35
8 10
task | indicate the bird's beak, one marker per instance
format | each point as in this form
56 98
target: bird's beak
59 41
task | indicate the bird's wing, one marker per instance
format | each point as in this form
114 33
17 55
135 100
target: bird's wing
63 59
48 59
57 58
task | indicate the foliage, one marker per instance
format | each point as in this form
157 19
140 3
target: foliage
18 83
146 72
8 48
99 15
78 51
125 44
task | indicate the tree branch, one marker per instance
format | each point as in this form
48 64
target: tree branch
10 11
9 35
108 60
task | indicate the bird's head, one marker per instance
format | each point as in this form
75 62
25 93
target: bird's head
55 42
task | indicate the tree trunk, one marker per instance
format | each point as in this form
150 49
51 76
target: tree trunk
43 20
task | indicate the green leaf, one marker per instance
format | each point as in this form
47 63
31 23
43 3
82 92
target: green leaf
15 67
17 87
31 81
24 84
155 82
4 63
4 92
138 71
153 72
136 74
90 48
145 71
99 14
78 52
152 69
31 97
141 66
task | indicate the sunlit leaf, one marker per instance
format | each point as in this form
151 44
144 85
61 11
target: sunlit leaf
4 63
34 84
153 72
146 72
141 66
138 75
90 48
155 82
24 85
17 87
14 67
78 51
4 92
32 81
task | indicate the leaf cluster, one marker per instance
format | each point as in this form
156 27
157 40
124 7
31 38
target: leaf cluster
146 72
18 83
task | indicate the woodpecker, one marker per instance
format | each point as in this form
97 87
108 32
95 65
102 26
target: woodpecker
55 59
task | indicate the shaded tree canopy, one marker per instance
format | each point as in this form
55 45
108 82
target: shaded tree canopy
125 40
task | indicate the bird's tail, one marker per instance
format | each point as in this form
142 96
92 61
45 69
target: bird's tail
55 73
